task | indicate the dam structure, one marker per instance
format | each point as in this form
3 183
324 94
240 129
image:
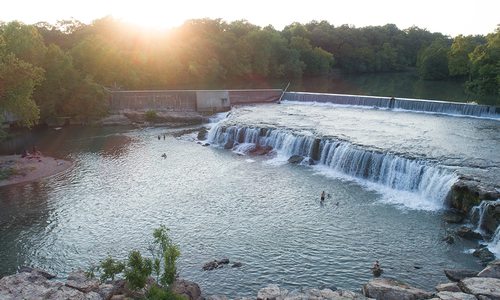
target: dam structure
408 104
222 100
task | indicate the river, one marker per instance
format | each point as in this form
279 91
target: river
257 210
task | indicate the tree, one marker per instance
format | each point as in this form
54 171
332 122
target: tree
433 61
458 56
485 67
24 41
18 80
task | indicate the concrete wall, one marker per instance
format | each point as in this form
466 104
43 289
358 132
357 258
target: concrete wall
188 100
152 100
254 96
212 101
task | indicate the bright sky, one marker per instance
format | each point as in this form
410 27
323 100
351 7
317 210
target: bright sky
451 17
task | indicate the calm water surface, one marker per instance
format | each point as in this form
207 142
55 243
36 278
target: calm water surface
217 204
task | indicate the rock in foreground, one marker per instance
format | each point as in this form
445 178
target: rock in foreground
390 289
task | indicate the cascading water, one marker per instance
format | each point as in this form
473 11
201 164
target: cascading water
484 216
382 168
494 245
433 106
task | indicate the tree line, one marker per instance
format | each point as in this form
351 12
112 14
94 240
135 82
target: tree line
52 70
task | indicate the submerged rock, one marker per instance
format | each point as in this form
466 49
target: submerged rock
449 239
236 265
453 216
391 289
261 150
25 269
295 159
459 274
484 254
467 233
481 286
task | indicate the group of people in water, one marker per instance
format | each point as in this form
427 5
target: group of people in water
323 196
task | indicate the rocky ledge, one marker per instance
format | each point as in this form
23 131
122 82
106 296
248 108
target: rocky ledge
32 283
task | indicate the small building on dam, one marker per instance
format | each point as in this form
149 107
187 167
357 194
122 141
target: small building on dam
188 100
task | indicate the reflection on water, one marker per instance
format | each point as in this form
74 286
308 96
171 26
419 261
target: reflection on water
217 204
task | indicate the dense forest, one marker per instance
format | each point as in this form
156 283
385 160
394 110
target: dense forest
62 69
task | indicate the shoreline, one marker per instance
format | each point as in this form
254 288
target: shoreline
33 168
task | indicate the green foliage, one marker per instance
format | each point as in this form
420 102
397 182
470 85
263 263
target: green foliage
110 268
137 270
485 67
91 272
151 116
159 293
433 61
6 172
165 254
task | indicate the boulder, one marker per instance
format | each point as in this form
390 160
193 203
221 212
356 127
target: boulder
455 296
211 265
481 286
223 261
469 234
261 150
459 274
78 280
295 159
202 134
186 288
484 254
492 270
236 265
229 144
449 239
464 195
33 285
391 289
448 287
272 292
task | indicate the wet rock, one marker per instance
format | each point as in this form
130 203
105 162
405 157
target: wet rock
391 289
186 288
315 152
202 134
223 261
449 239
455 296
492 270
481 286
106 291
236 265
295 159
490 217
229 144
459 274
484 254
261 150
464 195
310 161
78 280
453 216
448 287
45 274
469 234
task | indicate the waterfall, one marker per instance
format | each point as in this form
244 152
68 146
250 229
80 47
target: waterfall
484 217
434 106
386 169
494 245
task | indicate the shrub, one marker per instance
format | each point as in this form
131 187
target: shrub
151 116
138 270
165 254
111 268
158 293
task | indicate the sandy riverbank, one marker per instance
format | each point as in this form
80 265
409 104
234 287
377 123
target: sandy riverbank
30 169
